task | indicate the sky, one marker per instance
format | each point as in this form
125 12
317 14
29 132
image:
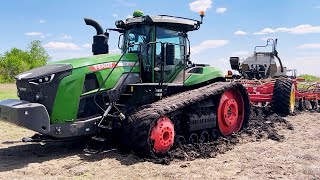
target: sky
230 28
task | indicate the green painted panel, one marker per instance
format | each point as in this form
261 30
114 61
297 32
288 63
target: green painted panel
67 100
207 74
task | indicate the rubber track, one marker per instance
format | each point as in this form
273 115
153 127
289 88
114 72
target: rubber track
143 119
281 96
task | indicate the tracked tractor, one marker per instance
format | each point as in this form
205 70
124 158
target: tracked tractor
148 99
269 84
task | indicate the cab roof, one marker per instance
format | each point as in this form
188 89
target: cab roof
178 23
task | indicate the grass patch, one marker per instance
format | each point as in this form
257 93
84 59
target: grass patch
8 91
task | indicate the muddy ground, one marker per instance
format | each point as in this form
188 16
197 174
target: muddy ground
273 147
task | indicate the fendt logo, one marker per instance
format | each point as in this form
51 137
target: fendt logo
103 66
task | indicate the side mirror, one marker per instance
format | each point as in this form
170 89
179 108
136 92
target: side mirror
234 62
120 41
170 54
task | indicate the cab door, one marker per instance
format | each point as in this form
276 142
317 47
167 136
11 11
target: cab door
170 71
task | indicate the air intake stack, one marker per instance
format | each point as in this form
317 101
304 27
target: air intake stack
100 41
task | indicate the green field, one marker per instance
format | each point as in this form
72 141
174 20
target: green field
8 91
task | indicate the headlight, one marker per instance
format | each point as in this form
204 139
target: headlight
42 80
119 24
38 96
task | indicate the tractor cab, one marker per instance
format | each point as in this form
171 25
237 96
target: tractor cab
161 44
159 48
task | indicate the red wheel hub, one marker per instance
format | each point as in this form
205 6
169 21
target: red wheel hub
162 135
230 112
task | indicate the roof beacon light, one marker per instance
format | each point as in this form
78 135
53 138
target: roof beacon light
201 15
137 13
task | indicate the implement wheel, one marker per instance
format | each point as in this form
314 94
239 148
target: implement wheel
283 98
231 112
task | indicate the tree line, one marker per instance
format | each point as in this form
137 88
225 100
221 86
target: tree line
310 78
16 60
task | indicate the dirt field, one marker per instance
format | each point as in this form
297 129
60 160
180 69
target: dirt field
297 156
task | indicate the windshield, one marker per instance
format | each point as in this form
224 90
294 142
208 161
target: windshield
136 37
137 41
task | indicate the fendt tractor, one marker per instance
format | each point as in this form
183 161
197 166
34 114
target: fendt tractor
148 99
268 82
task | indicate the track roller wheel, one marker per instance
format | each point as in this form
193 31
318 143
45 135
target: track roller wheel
214 135
204 137
179 140
230 112
162 135
283 99
193 138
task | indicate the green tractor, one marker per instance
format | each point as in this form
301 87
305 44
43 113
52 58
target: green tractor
148 99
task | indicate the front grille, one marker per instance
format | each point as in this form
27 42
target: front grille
27 96
27 91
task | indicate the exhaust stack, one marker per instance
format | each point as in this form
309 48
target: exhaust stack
100 41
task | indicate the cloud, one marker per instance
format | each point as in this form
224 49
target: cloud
265 31
61 45
208 44
221 10
200 5
309 46
240 33
42 21
317 7
115 15
33 34
38 34
66 36
87 46
240 53
301 29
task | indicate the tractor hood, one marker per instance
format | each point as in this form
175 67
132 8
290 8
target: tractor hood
67 65
47 70
97 59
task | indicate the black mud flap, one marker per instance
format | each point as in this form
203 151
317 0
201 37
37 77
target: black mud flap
32 116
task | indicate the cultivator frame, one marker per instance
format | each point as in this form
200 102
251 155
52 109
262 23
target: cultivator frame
309 95
261 93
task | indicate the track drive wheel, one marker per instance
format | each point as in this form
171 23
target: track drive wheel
231 112
162 135
283 99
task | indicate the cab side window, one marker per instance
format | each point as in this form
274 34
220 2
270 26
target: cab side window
169 36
